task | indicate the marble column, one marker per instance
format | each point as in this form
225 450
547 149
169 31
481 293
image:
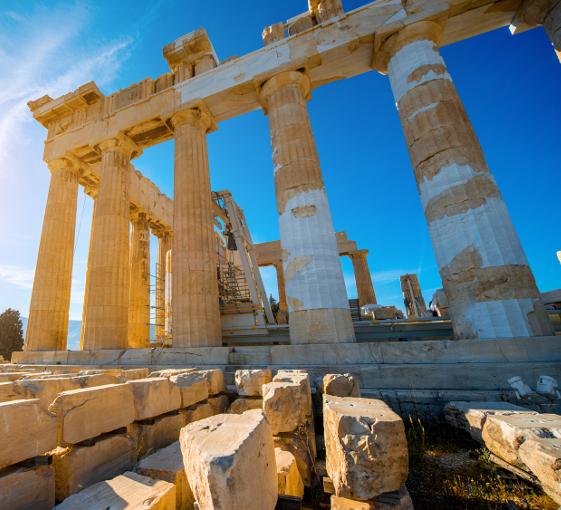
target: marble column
108 292
282 314
139 296
363 279
490 287
164 245
47 328
92 193
168 312
196 313
316 295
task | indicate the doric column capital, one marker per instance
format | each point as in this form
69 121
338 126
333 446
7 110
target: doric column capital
198 115
138 215
358 254
386 49
91 190
62 164
280 80
121 143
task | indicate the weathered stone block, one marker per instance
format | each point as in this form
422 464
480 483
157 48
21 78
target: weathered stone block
471 416
193 387
215 378
124 492
543 458
27 488
155 433
219 404
399 500
26 430
230 462
78 467
341 385
241 405
167 464
503 435
249 382
285 406
154 396
297 444
197 412
366 447
90 412
289 481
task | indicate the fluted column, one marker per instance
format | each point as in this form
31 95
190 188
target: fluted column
316 295
168 312
491 289
139 296
282 315
196 313
363 279
164 245
92 193
47 328
108 293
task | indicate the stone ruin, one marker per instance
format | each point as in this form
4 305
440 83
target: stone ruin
259 421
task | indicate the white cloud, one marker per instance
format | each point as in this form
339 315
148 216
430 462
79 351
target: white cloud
21 277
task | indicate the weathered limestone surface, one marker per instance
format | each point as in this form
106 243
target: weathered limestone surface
490 287
198 412
366 447
241 405
543 458
87 413
341 385
150 435
154 396
139 295
230 462
220 404
26 430
471 416
78 467
47 328
193 387
363 279
316 294
285 406
196 313
215 378
28 488
298 446
109 280
249 383
289 481
399 500
124 492
167 464
503 435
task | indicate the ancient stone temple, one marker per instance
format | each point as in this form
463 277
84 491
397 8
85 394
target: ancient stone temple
148 414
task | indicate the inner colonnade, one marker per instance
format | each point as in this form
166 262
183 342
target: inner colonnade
93 138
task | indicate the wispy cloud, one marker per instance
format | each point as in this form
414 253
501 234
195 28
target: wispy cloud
389 276
20 277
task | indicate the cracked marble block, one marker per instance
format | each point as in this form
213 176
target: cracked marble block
249 383
154 396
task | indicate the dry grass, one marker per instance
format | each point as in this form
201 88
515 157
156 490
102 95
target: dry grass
450 471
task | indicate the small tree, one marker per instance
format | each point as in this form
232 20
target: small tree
274 305
11 333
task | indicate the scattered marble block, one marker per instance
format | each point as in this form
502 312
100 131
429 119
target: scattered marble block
399 500
167 464
543 458
155 433
285 406
193 387
90 412
366 447
471 416
26 430
129 491
298 446
46 390
168 372
128 374
197 412
340 385
249 382
504 434
215 378
230 462
289 481
241 405
78 467
154 396
27 488
219 404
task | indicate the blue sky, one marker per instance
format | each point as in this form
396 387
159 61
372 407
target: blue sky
509 86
